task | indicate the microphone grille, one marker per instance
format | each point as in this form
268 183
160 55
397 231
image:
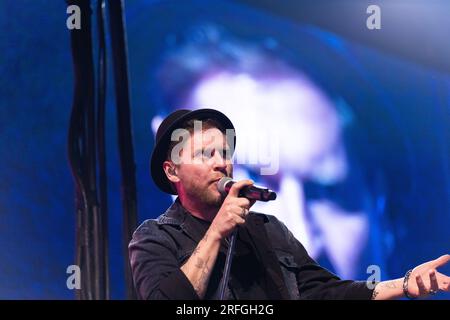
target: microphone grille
222 184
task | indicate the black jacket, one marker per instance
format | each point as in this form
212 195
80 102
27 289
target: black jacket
280 267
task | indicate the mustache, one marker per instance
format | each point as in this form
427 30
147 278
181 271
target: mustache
220 177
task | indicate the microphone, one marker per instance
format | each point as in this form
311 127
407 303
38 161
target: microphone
249 192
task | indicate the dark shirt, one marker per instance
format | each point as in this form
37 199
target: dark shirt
268 262
244 262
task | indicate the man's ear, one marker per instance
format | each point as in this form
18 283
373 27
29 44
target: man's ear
171 171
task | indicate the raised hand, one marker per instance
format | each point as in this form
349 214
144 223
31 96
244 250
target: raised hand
425 279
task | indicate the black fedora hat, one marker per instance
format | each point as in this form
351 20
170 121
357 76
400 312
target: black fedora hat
163 135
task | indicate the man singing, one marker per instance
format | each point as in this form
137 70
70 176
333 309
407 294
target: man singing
181 254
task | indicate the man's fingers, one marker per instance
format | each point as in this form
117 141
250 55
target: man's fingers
444 282
243 202
434 285
241 211
442 260
239 220
235 188
422 289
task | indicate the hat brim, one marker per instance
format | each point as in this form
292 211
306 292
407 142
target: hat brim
159 154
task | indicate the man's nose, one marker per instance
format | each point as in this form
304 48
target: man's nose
219 161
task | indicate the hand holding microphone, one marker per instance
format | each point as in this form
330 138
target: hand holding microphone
240 196
250 192
233 210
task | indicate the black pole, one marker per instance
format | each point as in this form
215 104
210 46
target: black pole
119 53
87 148
78 147
101 101
86 129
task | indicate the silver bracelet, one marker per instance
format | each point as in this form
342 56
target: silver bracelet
405 285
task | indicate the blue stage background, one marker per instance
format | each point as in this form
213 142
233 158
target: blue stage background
403 110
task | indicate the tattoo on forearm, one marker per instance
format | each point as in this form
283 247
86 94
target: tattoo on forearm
199 263
200 286
202 264
374 294
196 250
389 285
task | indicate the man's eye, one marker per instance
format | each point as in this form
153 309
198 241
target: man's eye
198 154
208 153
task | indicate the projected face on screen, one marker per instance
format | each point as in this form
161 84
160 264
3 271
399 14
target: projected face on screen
307 146
289 138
